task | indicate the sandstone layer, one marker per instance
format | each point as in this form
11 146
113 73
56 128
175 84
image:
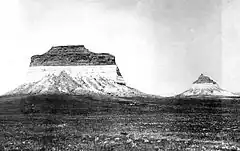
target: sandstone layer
76 55
204 79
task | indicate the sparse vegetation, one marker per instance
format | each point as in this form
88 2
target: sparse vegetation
95 123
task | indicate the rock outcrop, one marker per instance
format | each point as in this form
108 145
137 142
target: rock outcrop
76 55
204 79
74 70
205 86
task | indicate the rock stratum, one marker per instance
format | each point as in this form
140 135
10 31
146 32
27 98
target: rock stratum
205 86
75 55
74 70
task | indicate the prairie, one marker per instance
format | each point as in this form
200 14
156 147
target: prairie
65 122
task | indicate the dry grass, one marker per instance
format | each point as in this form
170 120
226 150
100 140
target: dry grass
106 125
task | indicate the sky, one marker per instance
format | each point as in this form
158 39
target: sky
161 46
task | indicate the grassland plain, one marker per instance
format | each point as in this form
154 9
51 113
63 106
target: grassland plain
88 123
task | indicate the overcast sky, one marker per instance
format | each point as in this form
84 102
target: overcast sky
161 46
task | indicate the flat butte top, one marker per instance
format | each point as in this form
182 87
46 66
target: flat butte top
71 55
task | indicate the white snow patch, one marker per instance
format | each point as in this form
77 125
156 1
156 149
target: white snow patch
207 89
75 80
108 71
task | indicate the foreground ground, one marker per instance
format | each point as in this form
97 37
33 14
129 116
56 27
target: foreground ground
119 126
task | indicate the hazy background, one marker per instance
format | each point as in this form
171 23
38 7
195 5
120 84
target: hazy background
161 46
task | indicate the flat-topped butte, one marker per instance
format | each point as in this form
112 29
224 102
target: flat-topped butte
71 55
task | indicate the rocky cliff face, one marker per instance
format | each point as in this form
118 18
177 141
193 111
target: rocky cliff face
204 79
71 56
74 70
